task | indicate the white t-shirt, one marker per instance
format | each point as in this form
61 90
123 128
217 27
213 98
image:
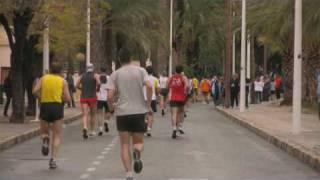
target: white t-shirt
155 84
163 82
102 95
258 86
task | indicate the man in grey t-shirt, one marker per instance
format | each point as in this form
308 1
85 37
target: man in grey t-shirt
127 84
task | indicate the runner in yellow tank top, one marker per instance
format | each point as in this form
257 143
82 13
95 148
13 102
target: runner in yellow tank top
53 89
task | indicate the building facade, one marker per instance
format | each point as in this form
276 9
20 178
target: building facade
5 53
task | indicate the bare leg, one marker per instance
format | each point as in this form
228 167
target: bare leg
44 129
93 120
125 151
85 111
56 134
150 121
174 114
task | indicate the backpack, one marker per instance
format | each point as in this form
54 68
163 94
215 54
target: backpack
205 86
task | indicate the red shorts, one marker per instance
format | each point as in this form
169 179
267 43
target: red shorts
90 101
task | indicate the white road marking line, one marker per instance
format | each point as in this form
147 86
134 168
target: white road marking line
84 176
91 169
107 149
111 145
104 152
100 157
188 179
96 163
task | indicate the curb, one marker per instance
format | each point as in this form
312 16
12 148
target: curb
305 155
12 141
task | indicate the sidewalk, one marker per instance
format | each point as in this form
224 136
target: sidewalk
274 124
12 134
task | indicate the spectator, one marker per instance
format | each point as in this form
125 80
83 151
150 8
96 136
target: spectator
258 88
266 88
272 89
72 89
215 90
8 91
318 90
278 85
234 90
248 84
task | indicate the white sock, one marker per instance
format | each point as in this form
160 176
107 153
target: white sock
149 129
174 128
129 174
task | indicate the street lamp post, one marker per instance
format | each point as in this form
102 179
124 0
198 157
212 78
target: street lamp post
296 113
46 47
243 59
88 35
171 24
249 57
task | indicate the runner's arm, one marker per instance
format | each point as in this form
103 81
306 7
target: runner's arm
149 93
66 94
36 89
78 85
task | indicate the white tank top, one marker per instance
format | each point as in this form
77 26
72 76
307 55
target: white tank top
163 82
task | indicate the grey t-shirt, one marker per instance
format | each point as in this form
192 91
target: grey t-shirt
128 81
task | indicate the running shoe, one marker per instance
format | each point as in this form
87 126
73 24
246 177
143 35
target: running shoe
100 133
45 146
162 112
137 165
106 127
181 131
92 134
174 134
85 134
185 114
52 164
148 133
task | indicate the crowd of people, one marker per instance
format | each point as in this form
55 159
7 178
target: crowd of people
132 94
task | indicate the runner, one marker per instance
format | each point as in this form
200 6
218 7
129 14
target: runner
178 87
127 84
52 90
103 109
205 88
195 84
155 89
164 91
88 84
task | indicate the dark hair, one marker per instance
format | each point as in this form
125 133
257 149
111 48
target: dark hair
103 70
149 69
103 79
179 69
56 67
124 56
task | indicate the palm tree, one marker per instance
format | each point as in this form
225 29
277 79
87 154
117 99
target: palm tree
273 21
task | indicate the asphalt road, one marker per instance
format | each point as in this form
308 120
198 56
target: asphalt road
213 148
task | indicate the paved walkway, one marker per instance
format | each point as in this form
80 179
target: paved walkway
213 148
12 134
273 121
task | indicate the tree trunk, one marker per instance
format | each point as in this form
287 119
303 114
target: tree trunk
287 66
253 58
154 58
109 46
21 22
228 53
32 70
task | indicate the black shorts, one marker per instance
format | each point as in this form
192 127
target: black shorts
154 106
51 112
164 92
178 104
132 123
195 91
103 104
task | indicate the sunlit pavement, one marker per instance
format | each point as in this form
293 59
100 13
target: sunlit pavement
213 148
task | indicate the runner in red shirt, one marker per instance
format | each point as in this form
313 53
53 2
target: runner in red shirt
178 88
